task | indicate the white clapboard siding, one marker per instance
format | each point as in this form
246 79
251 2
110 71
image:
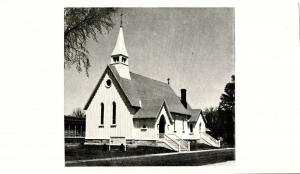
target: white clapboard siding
124 124
196 130
179 128
147 133
199 126
152 127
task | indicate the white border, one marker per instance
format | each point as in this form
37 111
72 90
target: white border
267 75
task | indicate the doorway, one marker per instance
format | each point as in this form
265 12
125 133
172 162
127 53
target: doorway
162 125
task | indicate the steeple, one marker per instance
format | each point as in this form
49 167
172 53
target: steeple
120 48
119 56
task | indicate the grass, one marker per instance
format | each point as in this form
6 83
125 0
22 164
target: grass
180 159
197 146
95 152
82 152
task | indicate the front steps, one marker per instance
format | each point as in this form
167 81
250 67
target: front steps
209 140
173 142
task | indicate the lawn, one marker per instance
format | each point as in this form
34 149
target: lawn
174 159
95 152
82 152
197 146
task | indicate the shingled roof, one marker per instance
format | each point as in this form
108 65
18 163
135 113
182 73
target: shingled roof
196 113
144 88
146 91
151 108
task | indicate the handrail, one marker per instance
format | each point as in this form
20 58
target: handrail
178 144
171 139
181 140
210 137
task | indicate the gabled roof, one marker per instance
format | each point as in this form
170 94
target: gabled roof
196 113
144 88
151 108
141 89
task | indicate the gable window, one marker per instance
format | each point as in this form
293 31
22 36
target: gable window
108 83
102 114
114 113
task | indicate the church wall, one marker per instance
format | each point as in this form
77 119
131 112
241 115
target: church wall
203 126
141 133
152 127
196 130
181 127
124 124
199 126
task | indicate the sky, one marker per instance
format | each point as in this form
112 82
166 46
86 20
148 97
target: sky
194 47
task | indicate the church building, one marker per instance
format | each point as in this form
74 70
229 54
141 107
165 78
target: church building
126 107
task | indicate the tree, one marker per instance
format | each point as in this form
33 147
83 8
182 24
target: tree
227 112
212 120
220 120
228 98
78 113
81 24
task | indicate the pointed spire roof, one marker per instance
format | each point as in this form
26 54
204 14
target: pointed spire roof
120 45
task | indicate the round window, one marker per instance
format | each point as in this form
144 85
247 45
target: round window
108 83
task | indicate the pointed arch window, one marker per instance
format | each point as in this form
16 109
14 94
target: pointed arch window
102 114
191 128
123 59
114 113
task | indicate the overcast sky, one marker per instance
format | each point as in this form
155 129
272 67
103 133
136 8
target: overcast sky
194 47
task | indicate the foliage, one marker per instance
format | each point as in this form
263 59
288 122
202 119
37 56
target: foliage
227 111
79 113
221 120
81 24
228 98
212 121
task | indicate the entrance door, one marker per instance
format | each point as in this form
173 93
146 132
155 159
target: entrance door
162 125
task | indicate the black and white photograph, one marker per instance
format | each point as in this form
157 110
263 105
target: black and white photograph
149 86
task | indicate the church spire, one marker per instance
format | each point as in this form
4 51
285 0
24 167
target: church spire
120 48
119 56
121 25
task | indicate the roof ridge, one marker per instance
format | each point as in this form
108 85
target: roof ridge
149 78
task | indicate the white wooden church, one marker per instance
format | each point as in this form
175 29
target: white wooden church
132 109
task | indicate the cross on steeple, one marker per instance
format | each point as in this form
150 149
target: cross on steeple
121 22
